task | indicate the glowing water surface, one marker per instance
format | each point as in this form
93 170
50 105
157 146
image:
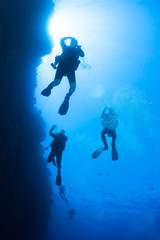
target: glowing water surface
121 43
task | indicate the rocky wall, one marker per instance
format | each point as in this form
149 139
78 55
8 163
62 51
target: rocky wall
24 178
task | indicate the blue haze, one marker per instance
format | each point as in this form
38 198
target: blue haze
121 42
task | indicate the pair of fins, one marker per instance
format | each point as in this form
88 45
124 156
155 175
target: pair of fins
100 150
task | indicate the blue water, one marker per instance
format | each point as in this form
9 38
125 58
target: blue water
121 42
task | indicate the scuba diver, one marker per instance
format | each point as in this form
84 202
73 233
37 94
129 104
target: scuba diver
62 192
71 214
57 148
68 63
109 124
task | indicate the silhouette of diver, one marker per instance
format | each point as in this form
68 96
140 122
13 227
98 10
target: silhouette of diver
67 65
62 192
71 214
109 123
57 148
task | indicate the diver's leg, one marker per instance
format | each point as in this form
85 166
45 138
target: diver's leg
47 91
113 144
72 82
103 132
54 83
114 136
51 157
58 77
64 197
59 159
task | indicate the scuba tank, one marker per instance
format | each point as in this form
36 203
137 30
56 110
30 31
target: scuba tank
57 60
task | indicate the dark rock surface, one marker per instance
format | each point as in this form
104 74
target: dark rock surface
24 178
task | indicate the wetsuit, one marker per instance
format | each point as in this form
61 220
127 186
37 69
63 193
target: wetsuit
109 123
58 146
110 133
68 64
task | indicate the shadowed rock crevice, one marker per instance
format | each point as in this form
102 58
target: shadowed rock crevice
25 186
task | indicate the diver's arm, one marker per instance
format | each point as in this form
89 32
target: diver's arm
62 41
103 115
51 131
80 51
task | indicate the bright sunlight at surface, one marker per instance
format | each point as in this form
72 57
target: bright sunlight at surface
112 199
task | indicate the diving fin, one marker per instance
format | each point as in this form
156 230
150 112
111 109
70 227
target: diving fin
64 106
97 152
46 92
114 154
58 178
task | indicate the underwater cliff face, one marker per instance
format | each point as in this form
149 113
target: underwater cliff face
25 186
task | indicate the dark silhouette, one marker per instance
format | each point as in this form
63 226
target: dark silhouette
109 123
58 177
68 63
71 214
57 148
62 192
